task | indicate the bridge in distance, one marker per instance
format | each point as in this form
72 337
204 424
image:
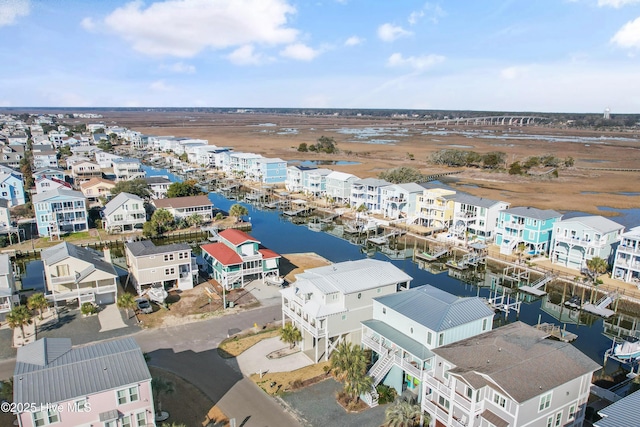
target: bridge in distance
510 120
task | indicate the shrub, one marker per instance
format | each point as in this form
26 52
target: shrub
386 394
88 308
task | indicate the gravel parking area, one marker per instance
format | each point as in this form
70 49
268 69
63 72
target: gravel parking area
316 405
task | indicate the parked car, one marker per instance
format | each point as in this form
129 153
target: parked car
144 305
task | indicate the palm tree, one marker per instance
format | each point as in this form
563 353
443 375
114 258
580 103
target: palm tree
37 302
126 301
290 334
159 386
403 414
596 267
237 211
349 365
358 383
19 316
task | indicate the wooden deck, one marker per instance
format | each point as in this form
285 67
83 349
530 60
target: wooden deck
556 332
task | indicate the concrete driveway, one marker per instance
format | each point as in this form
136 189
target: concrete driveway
254 360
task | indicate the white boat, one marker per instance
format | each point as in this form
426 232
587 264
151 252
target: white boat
274 280
627 350
157 294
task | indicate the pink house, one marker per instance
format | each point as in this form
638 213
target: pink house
107 384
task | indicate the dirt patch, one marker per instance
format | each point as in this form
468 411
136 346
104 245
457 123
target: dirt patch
280 382
187 404
236 345
292 264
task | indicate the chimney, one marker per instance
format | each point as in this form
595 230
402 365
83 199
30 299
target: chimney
107 254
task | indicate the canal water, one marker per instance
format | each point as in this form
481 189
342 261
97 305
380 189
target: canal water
281 235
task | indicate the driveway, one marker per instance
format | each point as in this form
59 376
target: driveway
255 360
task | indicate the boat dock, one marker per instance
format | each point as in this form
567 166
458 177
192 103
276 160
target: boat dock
381 240
535 288
502 302
554 331
600 307
438 252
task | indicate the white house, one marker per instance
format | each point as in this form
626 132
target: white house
398 201
368 192
577 240
158 185
626 265
295 178
125 212
47 184
328 303
184 207
475 217
105 159
127 168
8 295
511 376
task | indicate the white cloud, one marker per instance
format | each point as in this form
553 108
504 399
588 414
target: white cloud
616 3
180 68
183 28
389 32
88 24
300 52
419 63
10 10
160 86
433 13
246 55
629 35
514 72
353 41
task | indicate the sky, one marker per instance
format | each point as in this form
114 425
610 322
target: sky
512 55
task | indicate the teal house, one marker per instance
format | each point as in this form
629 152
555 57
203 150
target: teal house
528 226
237 258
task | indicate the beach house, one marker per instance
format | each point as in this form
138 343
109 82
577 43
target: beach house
626 264
475 218
526 226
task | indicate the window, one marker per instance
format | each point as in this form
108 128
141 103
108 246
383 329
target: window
558 419
126 421
127 395
46 417
550 421
428 338
572 413
169 271
469 392
359 295
168 257
440 339
445 371
384 310
344 317
113 423
545 402
499 400
484 324
141 419
80 405
443 402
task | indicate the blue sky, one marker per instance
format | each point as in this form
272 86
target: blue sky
512 55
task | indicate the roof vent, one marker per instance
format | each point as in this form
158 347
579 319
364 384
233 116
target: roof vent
500 349
487 360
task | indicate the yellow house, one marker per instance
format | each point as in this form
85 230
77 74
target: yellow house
435 207
97 187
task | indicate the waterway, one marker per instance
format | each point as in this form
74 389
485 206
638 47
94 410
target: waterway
279 234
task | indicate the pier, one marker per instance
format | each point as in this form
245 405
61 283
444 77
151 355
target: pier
554 331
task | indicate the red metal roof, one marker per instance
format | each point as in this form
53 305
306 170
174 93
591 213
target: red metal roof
223 253
268 253
236 237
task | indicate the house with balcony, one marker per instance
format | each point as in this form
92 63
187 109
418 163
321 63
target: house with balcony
56 173
6 225
368 193
528 226
475 218
12 188
575 241
169 266
406 326
83 171
97 188
60 211
107 384
295 178
44 157
399 200
10 155
511 376
127 168
240 164
269 171
75 273
338 186
314 181
105 159
125 212
327 304
626 264
47 184
184 207
435 207
158 185
9 297
237 258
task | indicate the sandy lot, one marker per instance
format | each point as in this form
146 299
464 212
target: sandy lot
391 142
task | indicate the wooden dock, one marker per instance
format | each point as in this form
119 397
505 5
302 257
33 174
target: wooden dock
556 332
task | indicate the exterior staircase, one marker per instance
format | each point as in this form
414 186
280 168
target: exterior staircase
508 247
542 281
381 368
606 300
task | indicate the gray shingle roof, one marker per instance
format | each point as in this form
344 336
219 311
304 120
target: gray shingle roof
373 182
518 359
436 309
147 247
535 213
596 222
475 201
119 200
60 191
624 412
353 276
157 180
50 371
65 250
